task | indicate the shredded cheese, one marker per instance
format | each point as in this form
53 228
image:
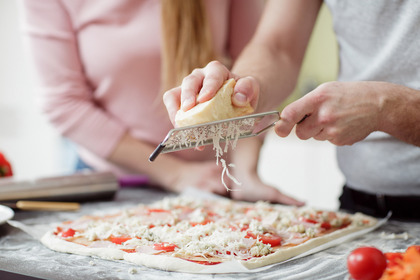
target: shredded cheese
226 171
201 228
229 132
233 132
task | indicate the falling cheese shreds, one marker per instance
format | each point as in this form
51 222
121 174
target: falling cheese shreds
233 133
229 132
226 171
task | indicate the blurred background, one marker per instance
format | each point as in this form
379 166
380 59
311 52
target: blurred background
305 169
26 138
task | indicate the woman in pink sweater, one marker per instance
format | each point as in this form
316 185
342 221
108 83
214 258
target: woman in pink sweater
103 66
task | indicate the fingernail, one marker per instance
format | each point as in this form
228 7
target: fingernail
187 104
240 99
201 95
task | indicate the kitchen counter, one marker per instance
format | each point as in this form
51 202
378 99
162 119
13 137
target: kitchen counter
22 254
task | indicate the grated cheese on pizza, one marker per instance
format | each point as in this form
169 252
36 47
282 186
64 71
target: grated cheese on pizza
205 232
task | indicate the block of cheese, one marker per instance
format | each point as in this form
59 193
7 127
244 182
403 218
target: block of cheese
220 107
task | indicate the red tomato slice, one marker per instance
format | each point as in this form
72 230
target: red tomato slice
205 222
417 247
119 240
245 227
238 228
58 230
326 225
306 220
68 233
408 267
165 246
129 250
366 263
273 240
211 214
158 210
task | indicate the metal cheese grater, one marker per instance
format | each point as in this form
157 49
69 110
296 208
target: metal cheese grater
193 136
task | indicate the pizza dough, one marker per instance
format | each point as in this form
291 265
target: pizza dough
218 108
192 235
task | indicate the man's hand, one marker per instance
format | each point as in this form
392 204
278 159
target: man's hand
340 112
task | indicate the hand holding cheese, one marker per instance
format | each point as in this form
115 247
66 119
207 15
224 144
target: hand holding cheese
220 107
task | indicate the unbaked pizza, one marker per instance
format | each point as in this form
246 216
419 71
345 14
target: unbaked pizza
188 234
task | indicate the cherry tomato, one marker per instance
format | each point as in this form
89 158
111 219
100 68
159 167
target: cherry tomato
366 263
164 246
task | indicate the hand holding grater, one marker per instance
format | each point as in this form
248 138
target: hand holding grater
189 137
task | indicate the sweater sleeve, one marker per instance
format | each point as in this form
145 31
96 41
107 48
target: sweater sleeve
67 97
244 18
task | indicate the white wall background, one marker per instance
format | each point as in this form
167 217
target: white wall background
25 136
305 169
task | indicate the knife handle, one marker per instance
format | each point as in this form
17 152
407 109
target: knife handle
47 205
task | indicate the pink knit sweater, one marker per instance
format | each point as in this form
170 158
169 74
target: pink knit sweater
98 63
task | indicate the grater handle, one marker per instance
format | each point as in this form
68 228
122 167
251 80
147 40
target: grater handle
156 152
274 123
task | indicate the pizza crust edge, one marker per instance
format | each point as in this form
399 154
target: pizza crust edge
284 254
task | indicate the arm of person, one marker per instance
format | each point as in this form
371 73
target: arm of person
167 171
244 16
271 61
70 108
246 158
65 93
347 112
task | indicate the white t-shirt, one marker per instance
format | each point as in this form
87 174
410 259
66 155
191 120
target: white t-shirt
379 41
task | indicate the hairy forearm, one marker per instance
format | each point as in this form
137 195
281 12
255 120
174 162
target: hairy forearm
275 71
400 112
275 53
